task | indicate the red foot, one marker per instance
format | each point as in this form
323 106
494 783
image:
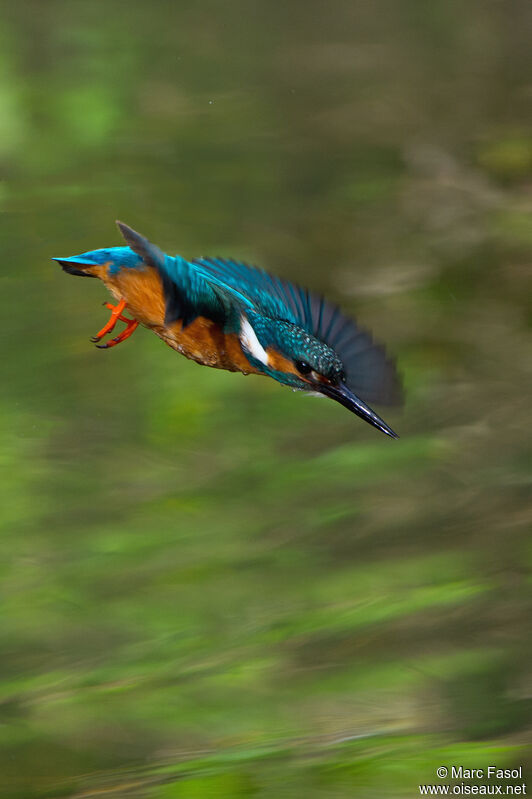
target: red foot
116 315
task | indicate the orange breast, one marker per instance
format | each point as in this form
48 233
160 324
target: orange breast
202 340
142 289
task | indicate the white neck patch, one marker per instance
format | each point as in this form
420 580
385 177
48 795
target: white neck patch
250 342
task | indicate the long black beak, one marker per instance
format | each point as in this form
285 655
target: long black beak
342 394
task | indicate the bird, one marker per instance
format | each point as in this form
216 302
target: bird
229 315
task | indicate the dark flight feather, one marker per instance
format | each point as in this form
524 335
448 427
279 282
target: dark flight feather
369 372
174 272
150 253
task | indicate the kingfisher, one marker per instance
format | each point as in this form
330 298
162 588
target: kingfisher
226 314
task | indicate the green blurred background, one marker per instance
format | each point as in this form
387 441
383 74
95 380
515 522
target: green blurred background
212 587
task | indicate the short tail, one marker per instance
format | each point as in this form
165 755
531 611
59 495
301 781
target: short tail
78 267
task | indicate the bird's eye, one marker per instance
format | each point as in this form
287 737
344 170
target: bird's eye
303 367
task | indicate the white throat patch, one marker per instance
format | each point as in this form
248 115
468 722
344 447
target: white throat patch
250 342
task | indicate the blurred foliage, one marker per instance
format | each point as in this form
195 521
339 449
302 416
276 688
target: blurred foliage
211 586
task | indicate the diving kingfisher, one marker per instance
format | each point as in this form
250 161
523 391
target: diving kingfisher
224 313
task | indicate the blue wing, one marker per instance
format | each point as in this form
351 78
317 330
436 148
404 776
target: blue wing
186 292
219 287
266 293
369 372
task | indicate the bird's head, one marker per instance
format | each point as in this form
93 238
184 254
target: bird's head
296 358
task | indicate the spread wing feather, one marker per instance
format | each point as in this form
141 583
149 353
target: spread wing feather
209 286
369 373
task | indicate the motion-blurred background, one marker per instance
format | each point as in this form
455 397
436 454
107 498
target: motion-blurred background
212 587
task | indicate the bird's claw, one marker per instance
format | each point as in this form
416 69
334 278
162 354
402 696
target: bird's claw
116 315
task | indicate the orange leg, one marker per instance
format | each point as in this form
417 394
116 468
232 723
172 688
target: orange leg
132 325
116 315
116 310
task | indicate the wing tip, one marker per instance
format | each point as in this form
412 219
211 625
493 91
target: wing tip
150 253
